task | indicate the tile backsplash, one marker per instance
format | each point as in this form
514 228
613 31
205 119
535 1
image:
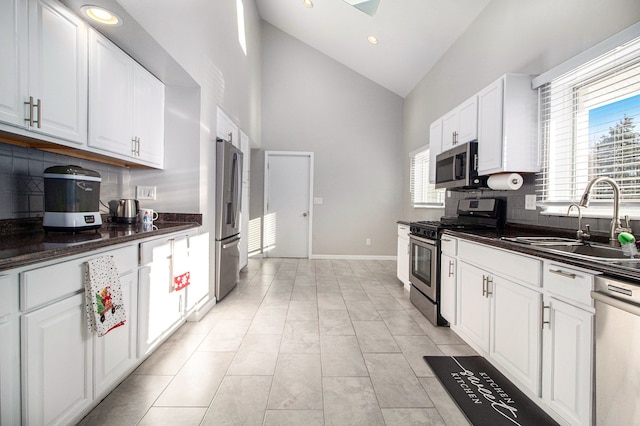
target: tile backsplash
516 213
22 184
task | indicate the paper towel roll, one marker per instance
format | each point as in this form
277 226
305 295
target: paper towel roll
505 181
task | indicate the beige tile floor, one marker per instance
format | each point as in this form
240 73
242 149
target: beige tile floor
298 342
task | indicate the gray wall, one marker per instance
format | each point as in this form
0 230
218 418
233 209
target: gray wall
509 36
354 127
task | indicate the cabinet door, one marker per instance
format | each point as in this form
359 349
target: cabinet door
567 377
490 128
468 120
473 305
110 97
435 148
58 70
160 306
56 362
516 333
13 76
199 268
148 112
449 129
115 353
448 288
10 353
402 267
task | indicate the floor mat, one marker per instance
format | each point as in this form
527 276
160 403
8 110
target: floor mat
484 395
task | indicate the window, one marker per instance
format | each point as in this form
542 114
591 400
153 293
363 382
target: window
423 193
590 127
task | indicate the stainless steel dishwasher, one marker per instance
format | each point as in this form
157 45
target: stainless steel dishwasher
617 344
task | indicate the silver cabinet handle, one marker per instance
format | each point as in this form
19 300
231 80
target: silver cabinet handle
133 146
450 268
562 273
489 281
484 286
542 314
31 120
445 239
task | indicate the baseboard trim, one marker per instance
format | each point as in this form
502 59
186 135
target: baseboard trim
351 257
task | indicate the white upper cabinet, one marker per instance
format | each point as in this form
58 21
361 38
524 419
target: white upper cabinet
461 124
126 105
507 126
148 111
435 147
13 78
111 103
44 72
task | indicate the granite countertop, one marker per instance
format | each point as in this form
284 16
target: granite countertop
24 241
627 270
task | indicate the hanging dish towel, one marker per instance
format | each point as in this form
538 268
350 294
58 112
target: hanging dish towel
103 296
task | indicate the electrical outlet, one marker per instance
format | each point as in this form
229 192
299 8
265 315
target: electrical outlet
530 202
146 192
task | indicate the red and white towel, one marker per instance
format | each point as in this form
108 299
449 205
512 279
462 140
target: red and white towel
103 296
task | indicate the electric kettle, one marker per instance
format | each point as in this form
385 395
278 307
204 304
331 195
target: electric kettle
127 211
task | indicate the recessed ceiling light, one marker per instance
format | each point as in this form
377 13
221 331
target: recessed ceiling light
308 3
101 15
372 39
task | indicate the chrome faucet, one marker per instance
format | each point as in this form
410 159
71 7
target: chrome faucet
580 234
616 226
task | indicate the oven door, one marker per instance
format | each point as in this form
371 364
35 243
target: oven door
423 272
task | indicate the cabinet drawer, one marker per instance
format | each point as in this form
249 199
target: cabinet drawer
46 284
525 270
449 245
570 283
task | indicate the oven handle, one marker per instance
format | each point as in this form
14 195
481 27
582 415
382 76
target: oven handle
422 240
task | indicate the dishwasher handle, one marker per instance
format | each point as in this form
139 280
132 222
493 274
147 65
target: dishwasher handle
616 303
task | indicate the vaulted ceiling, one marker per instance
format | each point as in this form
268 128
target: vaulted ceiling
412 34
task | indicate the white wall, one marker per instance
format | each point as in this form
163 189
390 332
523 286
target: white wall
354 127
508 36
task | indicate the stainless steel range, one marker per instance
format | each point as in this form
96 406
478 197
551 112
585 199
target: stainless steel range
424 258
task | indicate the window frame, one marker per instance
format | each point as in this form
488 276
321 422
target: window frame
433 198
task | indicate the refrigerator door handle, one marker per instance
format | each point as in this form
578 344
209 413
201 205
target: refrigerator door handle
234 188
231 243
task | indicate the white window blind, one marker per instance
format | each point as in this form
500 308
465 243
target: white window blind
590 127
423 193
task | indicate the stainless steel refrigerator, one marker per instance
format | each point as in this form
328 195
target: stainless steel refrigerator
228 202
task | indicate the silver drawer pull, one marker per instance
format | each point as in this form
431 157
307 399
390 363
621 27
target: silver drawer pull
563 274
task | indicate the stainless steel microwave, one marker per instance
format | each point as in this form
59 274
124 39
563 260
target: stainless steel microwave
458 168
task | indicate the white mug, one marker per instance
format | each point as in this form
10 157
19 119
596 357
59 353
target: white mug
147 216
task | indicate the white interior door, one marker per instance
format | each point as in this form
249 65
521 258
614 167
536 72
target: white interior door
287 216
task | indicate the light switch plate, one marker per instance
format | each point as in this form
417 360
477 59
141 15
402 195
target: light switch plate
317 200
146 192
530 202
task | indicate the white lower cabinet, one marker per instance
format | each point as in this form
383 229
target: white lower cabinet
10 352
161 306
115 353
537 330
503 319
402 263
568 339
61 359
448 287
57 363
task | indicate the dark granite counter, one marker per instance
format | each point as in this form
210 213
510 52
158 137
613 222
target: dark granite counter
24 242
403 222
628 270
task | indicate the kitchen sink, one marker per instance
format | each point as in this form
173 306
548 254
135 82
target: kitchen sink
575 248
592 251
544 241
